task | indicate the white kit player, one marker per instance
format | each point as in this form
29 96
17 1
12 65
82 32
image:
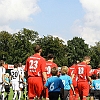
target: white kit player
2 73
21 79
21 72
15 81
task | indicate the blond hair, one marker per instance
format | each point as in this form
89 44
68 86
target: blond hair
7 74
64 70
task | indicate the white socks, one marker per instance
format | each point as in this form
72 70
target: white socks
15 94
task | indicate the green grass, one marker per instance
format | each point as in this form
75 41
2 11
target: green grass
11 96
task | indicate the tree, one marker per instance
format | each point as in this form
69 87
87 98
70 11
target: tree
55 46
95 55
5 45
76 50
23 44
18 46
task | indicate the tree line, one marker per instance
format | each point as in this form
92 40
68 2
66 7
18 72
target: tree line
18 46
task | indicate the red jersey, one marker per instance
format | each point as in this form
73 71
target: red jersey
50 65
35 65
96 71
92 71
82 71
71 71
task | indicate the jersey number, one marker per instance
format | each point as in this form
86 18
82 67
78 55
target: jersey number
80 70
48 70
72 72
14 75
33 65
63 82
52 86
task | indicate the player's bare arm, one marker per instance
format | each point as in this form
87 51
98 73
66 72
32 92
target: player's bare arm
44 76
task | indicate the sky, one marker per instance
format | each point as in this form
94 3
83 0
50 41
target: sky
65 19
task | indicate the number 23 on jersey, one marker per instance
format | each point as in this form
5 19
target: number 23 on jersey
33 65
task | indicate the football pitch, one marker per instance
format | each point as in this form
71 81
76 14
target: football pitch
11 96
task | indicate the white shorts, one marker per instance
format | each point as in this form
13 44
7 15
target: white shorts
21 85
2 89
15 86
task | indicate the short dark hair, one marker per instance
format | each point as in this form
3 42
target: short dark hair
75 62
98 66
94 76
99 75
15 65
54 71
37 48
50 56
1 62
19 64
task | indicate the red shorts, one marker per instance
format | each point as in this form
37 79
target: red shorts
83 88
74 83
35 87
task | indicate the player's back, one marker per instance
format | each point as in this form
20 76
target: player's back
96 71
54 84
35 65
15 75
71 70
21 71
50 65
83 70
96 84
67 81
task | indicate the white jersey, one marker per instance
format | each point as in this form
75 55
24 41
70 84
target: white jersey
15 75
2 71
21 72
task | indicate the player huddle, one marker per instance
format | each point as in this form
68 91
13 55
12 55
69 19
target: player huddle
44 80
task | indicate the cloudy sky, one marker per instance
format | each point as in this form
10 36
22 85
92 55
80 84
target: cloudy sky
63 18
